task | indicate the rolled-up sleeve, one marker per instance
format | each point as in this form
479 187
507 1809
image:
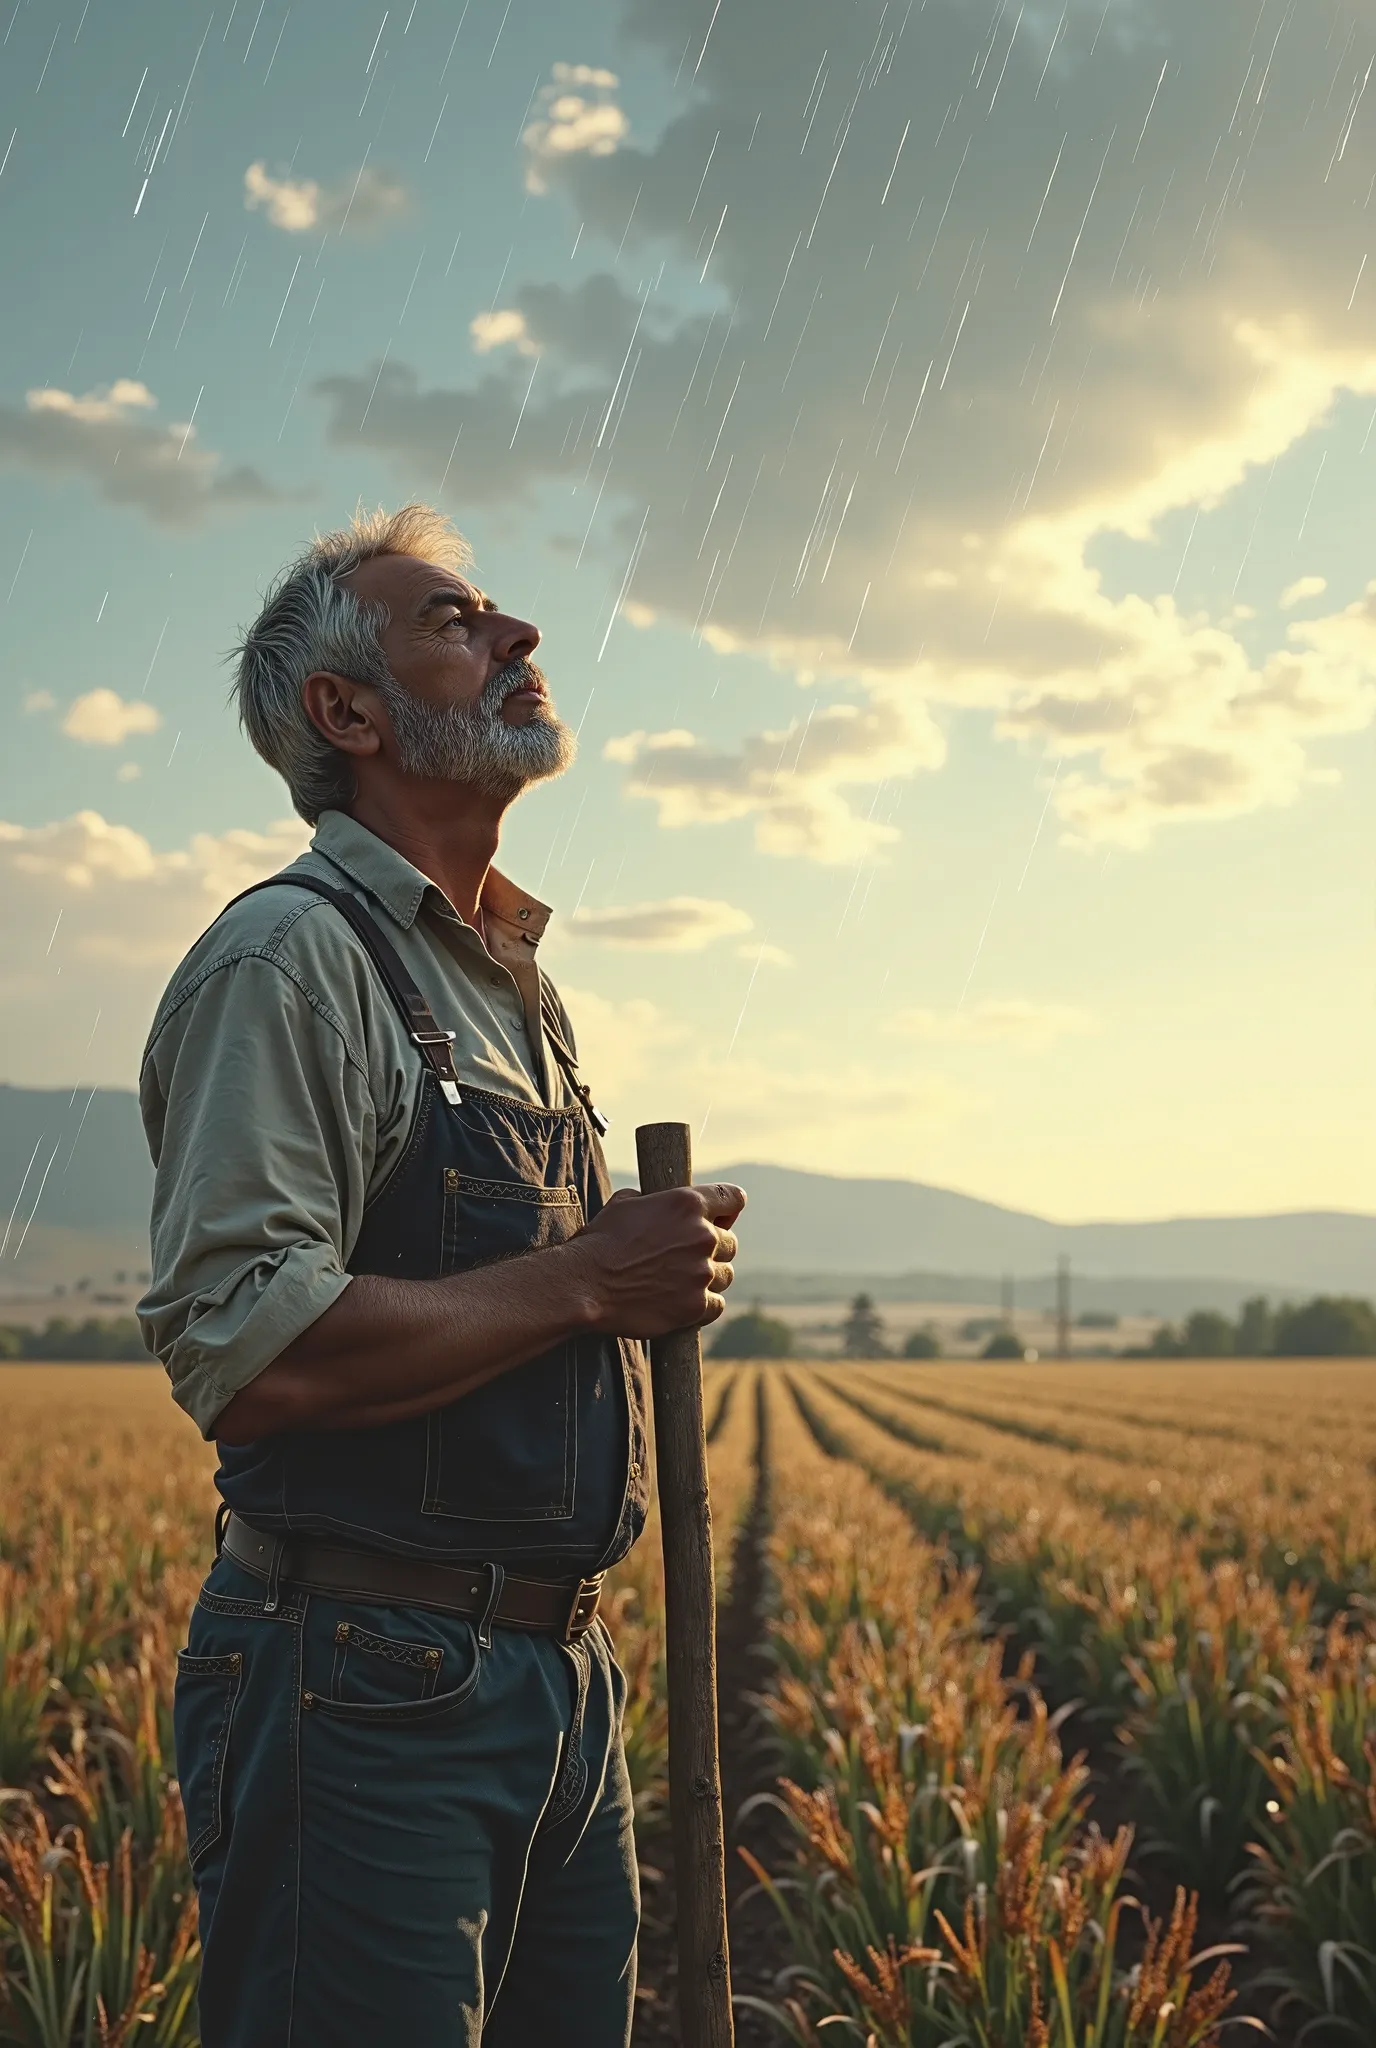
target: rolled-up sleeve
262 1127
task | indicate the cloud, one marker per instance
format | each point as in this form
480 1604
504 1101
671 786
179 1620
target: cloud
292 204
679 924
106 437
791 782
575 115
103 719
497 328
365 203
1015 1021
1182 725
92 919
98 408
40 700
127 902
957 329
1303 587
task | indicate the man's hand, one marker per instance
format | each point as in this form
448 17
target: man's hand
654 1263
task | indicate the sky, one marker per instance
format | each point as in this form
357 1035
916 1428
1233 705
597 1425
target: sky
937 443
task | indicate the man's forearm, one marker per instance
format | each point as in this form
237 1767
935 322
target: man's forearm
388 1350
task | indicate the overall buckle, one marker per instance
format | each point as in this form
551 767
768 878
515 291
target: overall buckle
442 1064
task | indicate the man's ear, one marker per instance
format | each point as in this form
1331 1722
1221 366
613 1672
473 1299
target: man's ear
344 711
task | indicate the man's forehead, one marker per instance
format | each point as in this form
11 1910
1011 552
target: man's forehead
406 581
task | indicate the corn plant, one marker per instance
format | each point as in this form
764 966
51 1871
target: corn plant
1040 1961
82 1963
1002 1930
1314 1885
1208 1701
1033 1963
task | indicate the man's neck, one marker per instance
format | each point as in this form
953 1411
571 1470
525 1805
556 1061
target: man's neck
450 833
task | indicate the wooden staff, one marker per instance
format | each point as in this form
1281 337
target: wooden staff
665 1156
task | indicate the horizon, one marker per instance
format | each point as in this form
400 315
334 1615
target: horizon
940 462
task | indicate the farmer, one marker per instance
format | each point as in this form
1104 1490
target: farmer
389 1281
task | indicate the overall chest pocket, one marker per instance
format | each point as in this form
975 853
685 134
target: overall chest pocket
508 1452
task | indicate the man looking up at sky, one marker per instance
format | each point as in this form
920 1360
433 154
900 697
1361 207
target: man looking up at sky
390 1280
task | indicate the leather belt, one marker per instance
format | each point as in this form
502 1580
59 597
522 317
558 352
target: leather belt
484 1593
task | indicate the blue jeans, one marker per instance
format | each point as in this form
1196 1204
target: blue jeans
401 1839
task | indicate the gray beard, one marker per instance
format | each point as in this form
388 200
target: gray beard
472 743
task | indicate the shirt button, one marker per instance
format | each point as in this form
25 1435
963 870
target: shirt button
496 980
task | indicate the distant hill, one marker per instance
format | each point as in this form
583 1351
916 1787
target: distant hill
811 1222
74 1174
75 1184
85 1146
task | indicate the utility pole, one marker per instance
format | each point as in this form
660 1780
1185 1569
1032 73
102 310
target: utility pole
1063 1306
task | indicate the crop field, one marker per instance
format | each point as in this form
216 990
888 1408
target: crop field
1048 1705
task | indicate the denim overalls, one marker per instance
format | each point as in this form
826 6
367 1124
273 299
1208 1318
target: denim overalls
447 1820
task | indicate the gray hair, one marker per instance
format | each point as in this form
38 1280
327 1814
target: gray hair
310 620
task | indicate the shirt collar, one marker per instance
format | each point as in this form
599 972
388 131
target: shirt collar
401 888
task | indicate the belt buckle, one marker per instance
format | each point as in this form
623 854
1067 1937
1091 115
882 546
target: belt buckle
585 1588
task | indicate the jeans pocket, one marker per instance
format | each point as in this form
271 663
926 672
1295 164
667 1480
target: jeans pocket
207 1693
381 1670
422 1711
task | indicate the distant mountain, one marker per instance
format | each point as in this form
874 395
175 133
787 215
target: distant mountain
74 1173
84 1147
822 1223
75 1184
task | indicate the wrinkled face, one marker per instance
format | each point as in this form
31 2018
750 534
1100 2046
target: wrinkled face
466 703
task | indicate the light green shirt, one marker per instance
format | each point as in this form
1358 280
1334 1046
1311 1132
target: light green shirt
279 1087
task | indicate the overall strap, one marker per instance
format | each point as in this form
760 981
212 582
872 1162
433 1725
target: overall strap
554 1032
435 1046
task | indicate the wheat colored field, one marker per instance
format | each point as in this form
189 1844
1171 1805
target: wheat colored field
1059 1683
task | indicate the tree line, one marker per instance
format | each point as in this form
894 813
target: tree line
97 1339
1328 1326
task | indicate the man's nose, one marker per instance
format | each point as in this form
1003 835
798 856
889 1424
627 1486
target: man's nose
513 639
